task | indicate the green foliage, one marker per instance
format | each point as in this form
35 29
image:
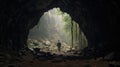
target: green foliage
66 20
59 12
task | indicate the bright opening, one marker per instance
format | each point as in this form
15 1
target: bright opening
56 25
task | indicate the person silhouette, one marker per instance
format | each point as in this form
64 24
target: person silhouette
59 46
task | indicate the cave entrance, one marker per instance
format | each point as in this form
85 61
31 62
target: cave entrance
56 25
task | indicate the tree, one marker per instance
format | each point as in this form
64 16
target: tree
72 34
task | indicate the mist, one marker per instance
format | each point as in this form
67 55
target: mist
56 25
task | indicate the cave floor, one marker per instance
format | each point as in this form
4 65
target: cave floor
66 63
29 61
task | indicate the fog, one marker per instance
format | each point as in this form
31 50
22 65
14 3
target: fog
52 27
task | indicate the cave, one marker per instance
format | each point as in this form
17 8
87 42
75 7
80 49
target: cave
97 20
56 25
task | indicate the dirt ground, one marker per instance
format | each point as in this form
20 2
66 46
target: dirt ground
65 63
30 61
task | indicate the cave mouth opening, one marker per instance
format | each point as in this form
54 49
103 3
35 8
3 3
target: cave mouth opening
56 25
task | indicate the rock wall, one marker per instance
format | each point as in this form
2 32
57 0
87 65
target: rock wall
97 19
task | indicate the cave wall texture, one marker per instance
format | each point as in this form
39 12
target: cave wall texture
97 18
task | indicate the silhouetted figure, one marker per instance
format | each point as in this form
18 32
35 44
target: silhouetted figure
59 45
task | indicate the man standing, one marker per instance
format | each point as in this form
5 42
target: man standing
59 45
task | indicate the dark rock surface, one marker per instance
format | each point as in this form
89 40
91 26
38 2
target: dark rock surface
97 18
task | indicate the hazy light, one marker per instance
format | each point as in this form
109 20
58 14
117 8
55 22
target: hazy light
51 28
52 24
